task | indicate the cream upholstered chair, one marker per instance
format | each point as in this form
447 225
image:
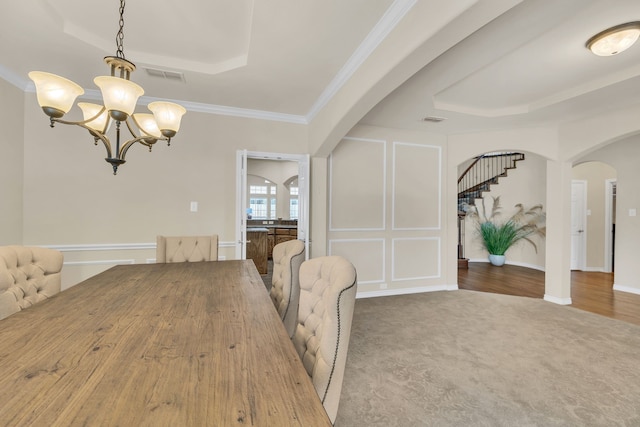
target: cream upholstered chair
186 248
285 281
327 299
28 275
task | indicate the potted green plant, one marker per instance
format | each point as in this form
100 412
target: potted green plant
498 236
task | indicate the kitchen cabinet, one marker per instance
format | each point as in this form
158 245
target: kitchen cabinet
257 248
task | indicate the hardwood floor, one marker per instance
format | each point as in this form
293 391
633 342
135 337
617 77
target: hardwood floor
591 292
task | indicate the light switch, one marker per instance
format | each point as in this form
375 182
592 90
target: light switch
632 212
194 206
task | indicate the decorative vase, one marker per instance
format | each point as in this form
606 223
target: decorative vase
497 260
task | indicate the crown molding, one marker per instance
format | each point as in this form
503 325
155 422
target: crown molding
19 82
380 31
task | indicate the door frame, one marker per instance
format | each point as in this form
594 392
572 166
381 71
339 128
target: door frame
608 224
241 195
582 255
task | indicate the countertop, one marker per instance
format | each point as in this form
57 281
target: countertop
257 230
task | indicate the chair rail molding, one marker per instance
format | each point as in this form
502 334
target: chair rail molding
114 246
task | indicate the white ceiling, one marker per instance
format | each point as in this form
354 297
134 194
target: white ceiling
528 67
286 59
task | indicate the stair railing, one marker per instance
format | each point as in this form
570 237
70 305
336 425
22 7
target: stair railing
484 171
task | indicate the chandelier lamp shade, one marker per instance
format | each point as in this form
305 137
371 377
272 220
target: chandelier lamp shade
56 96
614 40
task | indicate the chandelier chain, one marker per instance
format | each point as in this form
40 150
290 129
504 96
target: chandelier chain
120 35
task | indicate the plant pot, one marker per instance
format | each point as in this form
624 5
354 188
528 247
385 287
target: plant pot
497 260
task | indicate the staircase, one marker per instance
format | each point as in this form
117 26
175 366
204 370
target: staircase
484 171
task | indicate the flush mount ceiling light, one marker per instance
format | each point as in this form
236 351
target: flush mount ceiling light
615 39
56 96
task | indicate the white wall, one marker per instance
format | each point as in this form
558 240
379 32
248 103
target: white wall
386 209
11 171
278 172
623 156
72 198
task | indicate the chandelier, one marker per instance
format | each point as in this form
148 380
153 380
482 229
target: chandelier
56 95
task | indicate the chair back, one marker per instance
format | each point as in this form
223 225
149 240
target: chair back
285 281
327 299
28 275
186 248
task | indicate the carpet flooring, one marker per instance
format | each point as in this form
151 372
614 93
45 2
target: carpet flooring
467 358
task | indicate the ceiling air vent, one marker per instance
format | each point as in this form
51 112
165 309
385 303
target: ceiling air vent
167 75
433 119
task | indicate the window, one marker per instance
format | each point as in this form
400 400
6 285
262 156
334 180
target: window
262 197
258 189
258 207
292 185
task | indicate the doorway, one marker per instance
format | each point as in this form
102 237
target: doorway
599 180
272 213
610 225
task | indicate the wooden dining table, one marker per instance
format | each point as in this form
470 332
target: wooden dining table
183 344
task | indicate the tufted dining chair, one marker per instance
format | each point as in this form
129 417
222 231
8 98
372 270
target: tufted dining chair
327 299
285 281
28 275
186 248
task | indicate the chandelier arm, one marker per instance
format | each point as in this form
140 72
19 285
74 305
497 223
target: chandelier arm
97 135
102 137
128 144
143 133
81 122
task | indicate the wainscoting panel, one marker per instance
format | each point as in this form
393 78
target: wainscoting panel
417 195
357 176
367 256
386 209
405 265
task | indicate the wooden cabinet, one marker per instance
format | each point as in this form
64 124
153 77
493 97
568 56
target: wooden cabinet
257 249
273 234
271 242
282 235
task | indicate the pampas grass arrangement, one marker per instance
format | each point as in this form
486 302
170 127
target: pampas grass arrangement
498 236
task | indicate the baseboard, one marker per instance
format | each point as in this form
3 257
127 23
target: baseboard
555 300
516 263
628 289
405 291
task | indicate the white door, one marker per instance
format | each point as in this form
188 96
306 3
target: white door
303 203
241 204
578 224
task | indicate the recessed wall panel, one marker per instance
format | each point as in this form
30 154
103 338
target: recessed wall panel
366 255
416 186
415 258
357 185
